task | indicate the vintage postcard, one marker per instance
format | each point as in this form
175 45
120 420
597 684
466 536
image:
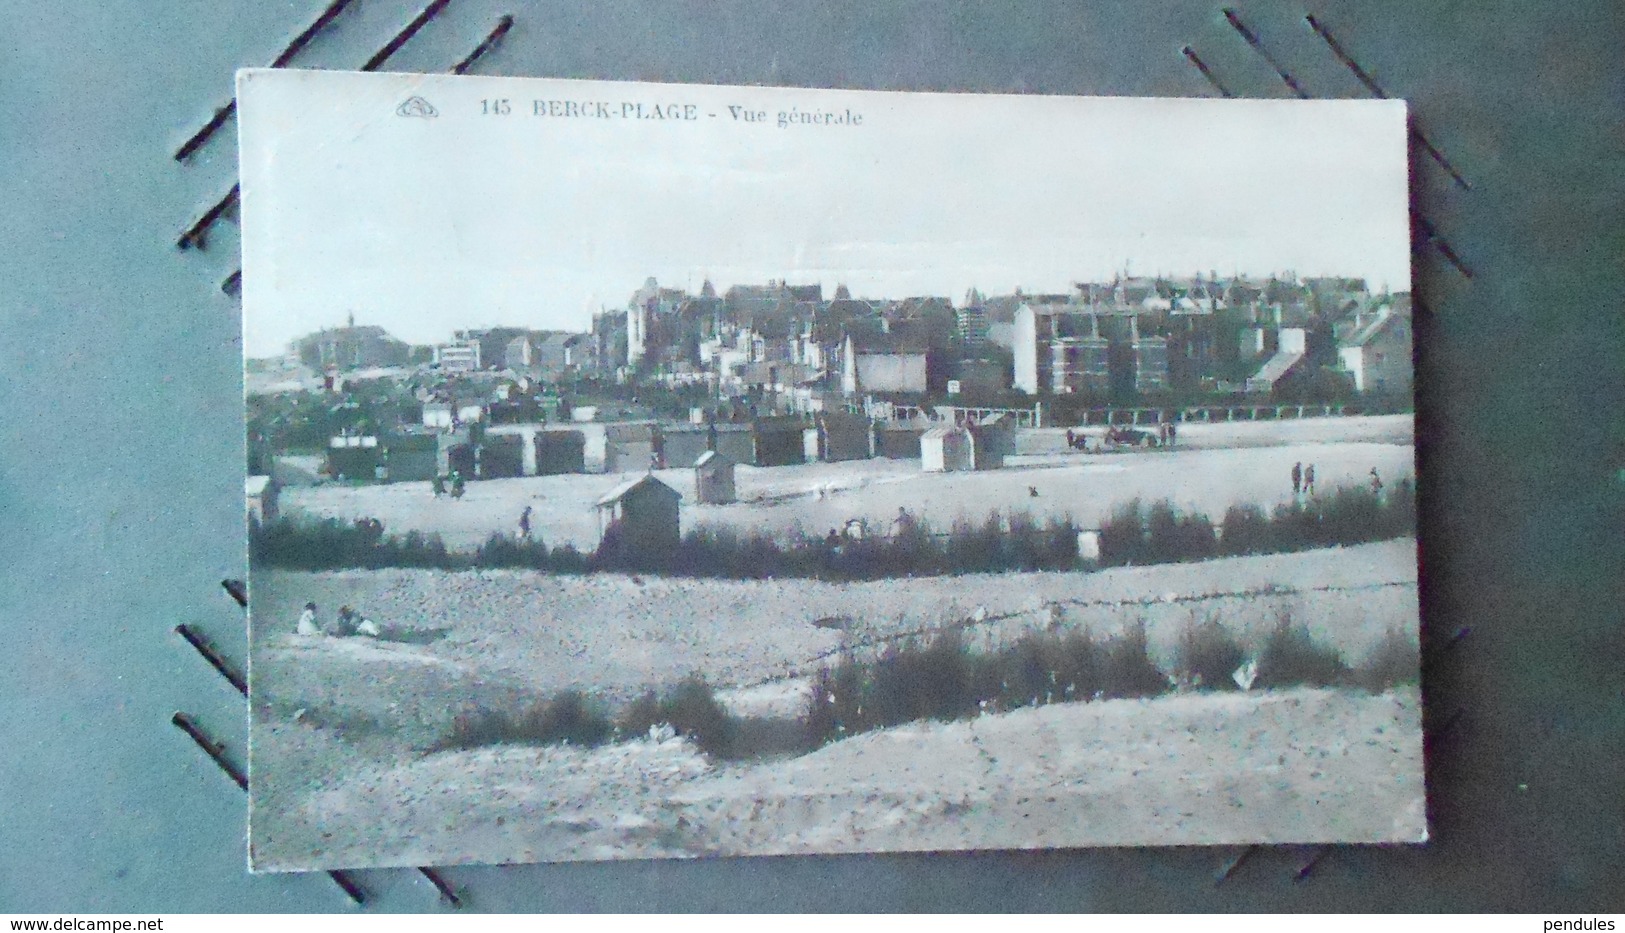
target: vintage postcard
651 471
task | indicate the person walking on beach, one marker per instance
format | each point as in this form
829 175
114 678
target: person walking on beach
1309 480
1297 478
904 523
456 484
1173 433
832 549
439 485
1376 483
524 524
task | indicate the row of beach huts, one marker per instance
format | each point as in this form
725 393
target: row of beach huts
546 450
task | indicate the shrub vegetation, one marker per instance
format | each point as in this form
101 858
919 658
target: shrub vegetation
566 718
569 717
1208 654
1138 534
1290 657
939 678
1134 534
691 709
1395 660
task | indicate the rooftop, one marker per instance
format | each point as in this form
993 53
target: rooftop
632 485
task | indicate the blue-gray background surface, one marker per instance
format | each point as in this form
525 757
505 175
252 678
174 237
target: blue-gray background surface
121 496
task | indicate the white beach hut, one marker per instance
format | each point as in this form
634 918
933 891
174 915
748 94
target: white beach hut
947 450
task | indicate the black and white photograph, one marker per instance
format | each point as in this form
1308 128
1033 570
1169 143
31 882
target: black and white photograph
669 471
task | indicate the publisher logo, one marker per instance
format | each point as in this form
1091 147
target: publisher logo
416 107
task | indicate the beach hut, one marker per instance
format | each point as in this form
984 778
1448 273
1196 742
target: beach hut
560 452
1089 546
993 439
946 449
683 444
502 456
638 521
455 451
844 437
628 447
734 441
412 457
352 456
779 441
713 479
262 495
898 441
462 459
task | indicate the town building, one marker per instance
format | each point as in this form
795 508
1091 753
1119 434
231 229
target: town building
543 355
972 322
890 372
1291 347
1378 354
492 344
1150 359
458 356
1059 348
351 347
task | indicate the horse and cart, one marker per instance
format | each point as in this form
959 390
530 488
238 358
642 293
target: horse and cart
1118 437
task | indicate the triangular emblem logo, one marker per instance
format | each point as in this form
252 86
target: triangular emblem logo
416 107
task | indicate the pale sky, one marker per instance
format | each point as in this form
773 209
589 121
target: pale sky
427 224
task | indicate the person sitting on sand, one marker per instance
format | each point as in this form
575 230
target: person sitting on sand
307 621
366 627
345 623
